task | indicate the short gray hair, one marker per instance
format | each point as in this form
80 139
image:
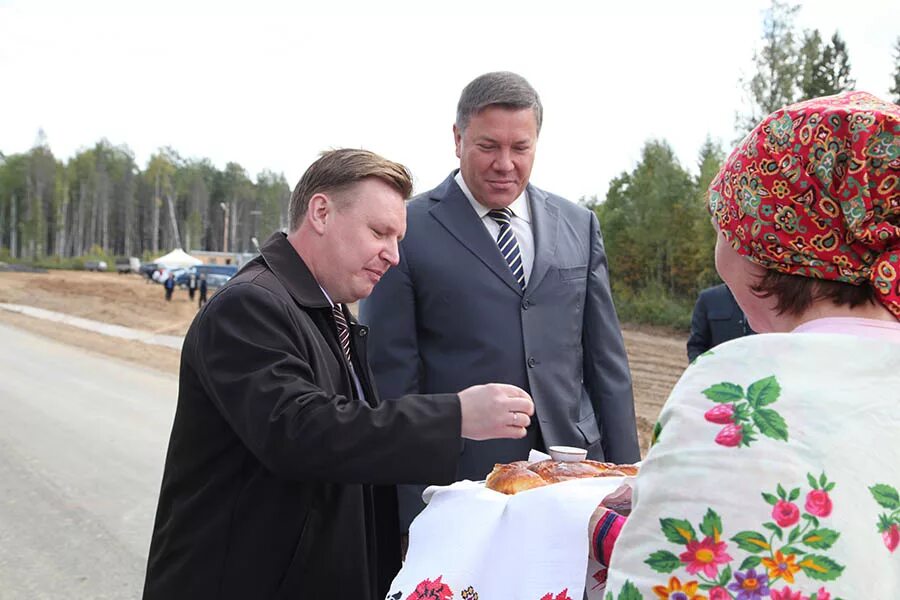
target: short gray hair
500 88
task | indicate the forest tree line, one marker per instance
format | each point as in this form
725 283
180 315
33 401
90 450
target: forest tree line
656 229
100 202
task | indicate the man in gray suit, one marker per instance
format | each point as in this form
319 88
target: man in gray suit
501 281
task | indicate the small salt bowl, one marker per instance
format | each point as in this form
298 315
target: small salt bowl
567 453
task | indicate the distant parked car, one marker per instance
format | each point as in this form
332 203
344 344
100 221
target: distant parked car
215 280
94 265
147 270
128 264
216 275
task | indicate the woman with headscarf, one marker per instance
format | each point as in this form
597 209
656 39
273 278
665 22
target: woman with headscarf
776 465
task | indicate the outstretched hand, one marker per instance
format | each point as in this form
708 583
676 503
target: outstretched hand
495 410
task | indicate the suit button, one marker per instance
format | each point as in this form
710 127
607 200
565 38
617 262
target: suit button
526 304
363 331
531 361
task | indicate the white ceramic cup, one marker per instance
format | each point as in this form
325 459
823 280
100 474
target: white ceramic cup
567 453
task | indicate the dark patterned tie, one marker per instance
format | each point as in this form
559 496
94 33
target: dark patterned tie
508 244
343 330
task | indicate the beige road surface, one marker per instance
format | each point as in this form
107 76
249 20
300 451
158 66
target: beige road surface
82 445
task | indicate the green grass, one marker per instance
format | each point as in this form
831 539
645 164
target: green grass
653 306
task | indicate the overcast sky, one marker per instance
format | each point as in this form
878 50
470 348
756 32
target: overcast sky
270 84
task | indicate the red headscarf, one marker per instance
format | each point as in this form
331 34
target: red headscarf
814 190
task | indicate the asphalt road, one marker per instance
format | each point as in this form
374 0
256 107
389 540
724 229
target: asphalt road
82 445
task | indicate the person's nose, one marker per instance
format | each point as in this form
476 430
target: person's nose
391 252
503 161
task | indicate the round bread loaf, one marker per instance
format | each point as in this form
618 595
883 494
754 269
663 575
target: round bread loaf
612 469
553 471
520 475
513 478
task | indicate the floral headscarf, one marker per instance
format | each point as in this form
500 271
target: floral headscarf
814 190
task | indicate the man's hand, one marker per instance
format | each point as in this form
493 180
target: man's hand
495 410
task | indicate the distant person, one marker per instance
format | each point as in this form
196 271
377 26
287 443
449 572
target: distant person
500 279
717 318
192 285
170 286
203 288
280 469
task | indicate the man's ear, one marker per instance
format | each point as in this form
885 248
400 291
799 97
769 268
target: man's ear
457 139
319 210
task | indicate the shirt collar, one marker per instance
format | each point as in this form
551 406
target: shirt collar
519 207
327 297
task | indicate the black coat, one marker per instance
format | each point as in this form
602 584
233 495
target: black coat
278 482
717 318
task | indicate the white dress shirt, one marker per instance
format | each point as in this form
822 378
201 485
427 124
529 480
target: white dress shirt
520 223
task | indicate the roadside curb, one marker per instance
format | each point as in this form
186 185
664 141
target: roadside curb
169 341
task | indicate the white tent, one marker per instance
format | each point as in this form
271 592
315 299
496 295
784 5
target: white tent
177 258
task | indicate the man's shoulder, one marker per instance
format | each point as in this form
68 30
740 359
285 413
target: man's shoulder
564 205
420 204
255 280
716 292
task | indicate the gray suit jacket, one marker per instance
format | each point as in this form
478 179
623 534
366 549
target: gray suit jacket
451 316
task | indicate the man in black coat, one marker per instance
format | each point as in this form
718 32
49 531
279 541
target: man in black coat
717 318
280 473
203 289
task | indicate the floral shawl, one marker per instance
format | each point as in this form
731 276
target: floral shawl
774 475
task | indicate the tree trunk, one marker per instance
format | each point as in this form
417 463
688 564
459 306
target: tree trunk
61 221
95 218
174 221
80 236
154 223
13 228
128 198
232 235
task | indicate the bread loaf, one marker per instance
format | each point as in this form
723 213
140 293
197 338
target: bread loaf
521 476
513 478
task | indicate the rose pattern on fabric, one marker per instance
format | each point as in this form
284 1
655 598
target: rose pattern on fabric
790 546
818 503
745 415
888 522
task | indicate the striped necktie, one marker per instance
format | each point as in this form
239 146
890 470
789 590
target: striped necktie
508 244
343 330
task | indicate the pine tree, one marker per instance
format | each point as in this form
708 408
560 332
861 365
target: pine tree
824 68
777 68
837 66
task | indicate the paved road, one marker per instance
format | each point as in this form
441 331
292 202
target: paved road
82 445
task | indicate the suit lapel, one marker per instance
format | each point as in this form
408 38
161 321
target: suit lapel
454 212
545 218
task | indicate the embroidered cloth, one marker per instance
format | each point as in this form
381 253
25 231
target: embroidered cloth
774 475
